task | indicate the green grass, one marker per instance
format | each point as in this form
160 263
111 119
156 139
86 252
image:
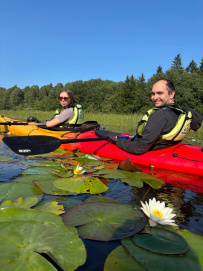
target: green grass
113 122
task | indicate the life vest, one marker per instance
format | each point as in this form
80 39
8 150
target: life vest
76 120
179 131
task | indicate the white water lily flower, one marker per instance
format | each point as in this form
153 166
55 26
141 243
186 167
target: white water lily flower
158 213
79 170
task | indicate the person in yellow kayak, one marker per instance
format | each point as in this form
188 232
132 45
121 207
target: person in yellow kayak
70 115
162 126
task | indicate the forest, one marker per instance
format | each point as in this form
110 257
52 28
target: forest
106 96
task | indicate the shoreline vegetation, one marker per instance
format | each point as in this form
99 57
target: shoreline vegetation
131 96
125 123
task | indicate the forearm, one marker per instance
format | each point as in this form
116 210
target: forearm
52 123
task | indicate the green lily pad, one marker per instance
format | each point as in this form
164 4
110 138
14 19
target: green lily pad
105 221
62 174
161 241
100 198
13 191
25 203
36 170
68 202
4 158
30 178
23 240
80 185
89 160
152 181
47 187
132 178
52 164
45 167
52 207
125 176
90 169
120 260
191 260
110 171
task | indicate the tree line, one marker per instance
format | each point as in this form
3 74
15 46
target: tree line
106 96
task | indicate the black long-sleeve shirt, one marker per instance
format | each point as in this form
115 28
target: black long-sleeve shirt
160 122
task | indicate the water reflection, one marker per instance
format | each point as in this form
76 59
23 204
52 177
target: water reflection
10 169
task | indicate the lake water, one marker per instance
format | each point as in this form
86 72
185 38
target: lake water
187 204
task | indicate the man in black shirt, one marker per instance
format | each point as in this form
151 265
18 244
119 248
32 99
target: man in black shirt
160 122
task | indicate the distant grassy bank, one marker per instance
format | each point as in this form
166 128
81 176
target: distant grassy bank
113 122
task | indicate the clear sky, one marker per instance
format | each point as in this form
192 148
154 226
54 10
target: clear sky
61 41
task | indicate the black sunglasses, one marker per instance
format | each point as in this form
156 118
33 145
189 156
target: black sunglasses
63 98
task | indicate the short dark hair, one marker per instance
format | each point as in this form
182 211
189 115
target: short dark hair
169 85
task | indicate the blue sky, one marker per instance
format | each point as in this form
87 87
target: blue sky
60 41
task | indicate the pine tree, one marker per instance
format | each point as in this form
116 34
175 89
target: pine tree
159 70
177 64
201 67
192 67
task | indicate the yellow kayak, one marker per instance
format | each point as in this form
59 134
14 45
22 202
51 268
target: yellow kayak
33 129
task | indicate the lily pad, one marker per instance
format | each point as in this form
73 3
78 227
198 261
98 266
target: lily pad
45 167
132 178
120 260
43 164
4 158
89 160
105 221
125 176
80 185
68 202
52 207
100 198
62 173
102 179
36 170
30 178
13 191
25 203
191 260
152 181
27 237
47 187
105 171
161 241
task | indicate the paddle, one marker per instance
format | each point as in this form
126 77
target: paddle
9 123
32 145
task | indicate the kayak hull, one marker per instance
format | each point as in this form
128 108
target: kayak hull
182 158
30 130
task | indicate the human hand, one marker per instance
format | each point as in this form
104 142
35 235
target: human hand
112 138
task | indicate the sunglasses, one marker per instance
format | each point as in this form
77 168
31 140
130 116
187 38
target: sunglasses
63 98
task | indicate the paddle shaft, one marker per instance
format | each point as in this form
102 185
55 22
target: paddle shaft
9 123
76 140
33 145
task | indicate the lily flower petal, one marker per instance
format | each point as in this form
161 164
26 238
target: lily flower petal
79 170
158 213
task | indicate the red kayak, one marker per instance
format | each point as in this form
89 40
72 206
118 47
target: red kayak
181 157
180 165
